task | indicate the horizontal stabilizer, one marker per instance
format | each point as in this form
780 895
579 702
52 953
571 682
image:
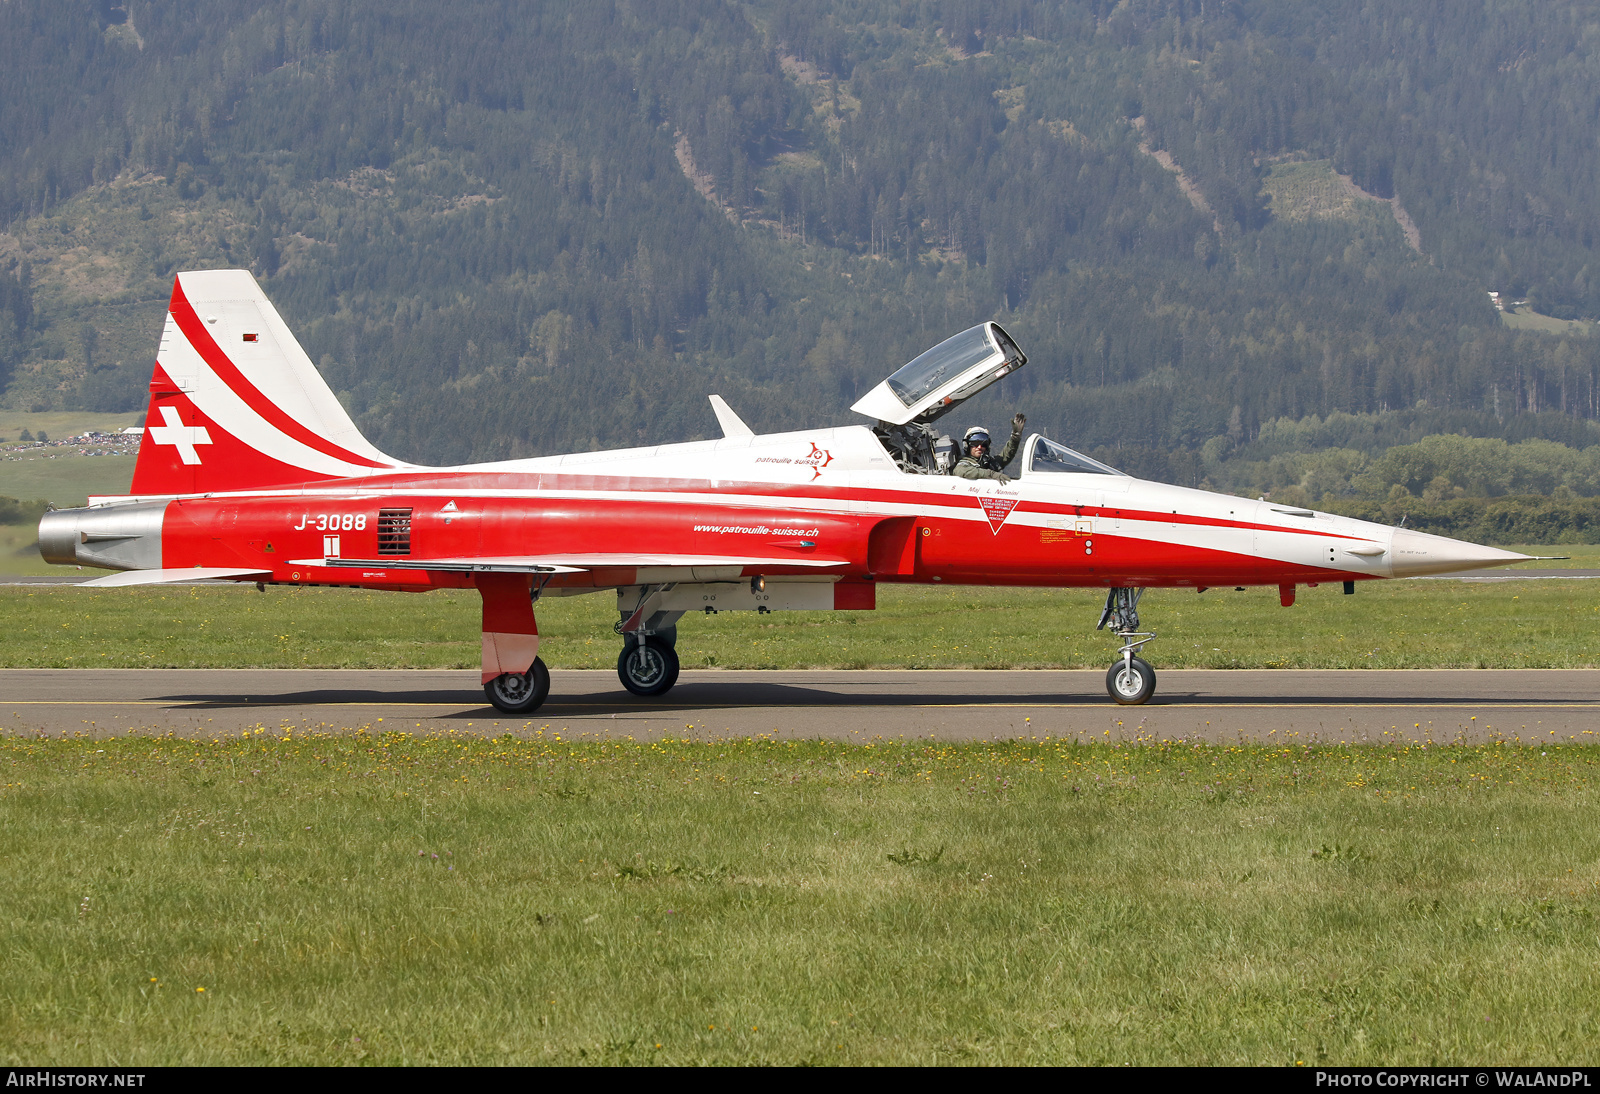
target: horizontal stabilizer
169 577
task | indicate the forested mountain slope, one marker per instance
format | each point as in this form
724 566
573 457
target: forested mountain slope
507 228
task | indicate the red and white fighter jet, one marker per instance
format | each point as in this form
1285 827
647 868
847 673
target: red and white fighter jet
250 470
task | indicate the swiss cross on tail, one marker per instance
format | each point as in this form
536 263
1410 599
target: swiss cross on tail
183 437
997 510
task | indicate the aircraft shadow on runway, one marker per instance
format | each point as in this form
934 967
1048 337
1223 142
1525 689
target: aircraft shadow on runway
726 696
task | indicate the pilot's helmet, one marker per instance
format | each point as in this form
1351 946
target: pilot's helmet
976 435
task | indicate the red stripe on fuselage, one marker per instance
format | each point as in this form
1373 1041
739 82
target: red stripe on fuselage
270 531
200 338
535 482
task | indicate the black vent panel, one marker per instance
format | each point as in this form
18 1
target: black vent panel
394 531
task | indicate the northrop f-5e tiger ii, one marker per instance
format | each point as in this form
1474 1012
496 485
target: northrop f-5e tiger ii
249 469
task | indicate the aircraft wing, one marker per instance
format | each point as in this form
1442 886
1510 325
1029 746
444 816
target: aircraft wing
560 564
167 577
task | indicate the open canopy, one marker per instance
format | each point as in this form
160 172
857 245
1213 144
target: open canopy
944 377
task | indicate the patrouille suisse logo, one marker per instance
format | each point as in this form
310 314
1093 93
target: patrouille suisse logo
997 510
817 459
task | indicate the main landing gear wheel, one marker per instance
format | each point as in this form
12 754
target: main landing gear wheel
648 668
519 692
1132 682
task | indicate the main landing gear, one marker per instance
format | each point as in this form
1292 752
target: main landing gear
519 692
1130 680
515 680
648 663
648 666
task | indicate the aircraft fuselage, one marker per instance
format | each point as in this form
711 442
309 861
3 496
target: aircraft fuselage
823 503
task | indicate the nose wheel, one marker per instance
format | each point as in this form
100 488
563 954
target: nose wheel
649 667
1130 681
519 692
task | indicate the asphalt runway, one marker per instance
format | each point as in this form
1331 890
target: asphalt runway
1360 706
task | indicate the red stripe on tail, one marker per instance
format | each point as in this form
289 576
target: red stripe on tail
218 361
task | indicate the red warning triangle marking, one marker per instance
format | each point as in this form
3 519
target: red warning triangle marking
997 510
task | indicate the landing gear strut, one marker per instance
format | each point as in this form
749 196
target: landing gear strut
1130 680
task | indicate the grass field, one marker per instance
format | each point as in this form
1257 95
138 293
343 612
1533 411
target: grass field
440 900
63 423
1401 624
1527 319
1312 189
63 478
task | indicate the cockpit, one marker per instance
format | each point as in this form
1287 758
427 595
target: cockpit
936 382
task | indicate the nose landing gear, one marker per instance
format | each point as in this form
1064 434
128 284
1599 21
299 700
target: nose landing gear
1130 681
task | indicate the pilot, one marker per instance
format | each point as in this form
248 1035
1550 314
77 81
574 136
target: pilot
978 463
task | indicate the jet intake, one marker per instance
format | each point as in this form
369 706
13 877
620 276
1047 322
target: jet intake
116 537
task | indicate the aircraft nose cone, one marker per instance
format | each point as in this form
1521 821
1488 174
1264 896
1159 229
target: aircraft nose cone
1415 554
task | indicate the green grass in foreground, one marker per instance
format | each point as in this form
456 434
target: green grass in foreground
395 899
1402 624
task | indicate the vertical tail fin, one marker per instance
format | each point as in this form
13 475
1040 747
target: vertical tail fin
235 403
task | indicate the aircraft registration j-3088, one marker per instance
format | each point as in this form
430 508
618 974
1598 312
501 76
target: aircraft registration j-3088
249 469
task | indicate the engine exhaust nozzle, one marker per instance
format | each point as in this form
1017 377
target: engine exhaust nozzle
58 536
116 537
